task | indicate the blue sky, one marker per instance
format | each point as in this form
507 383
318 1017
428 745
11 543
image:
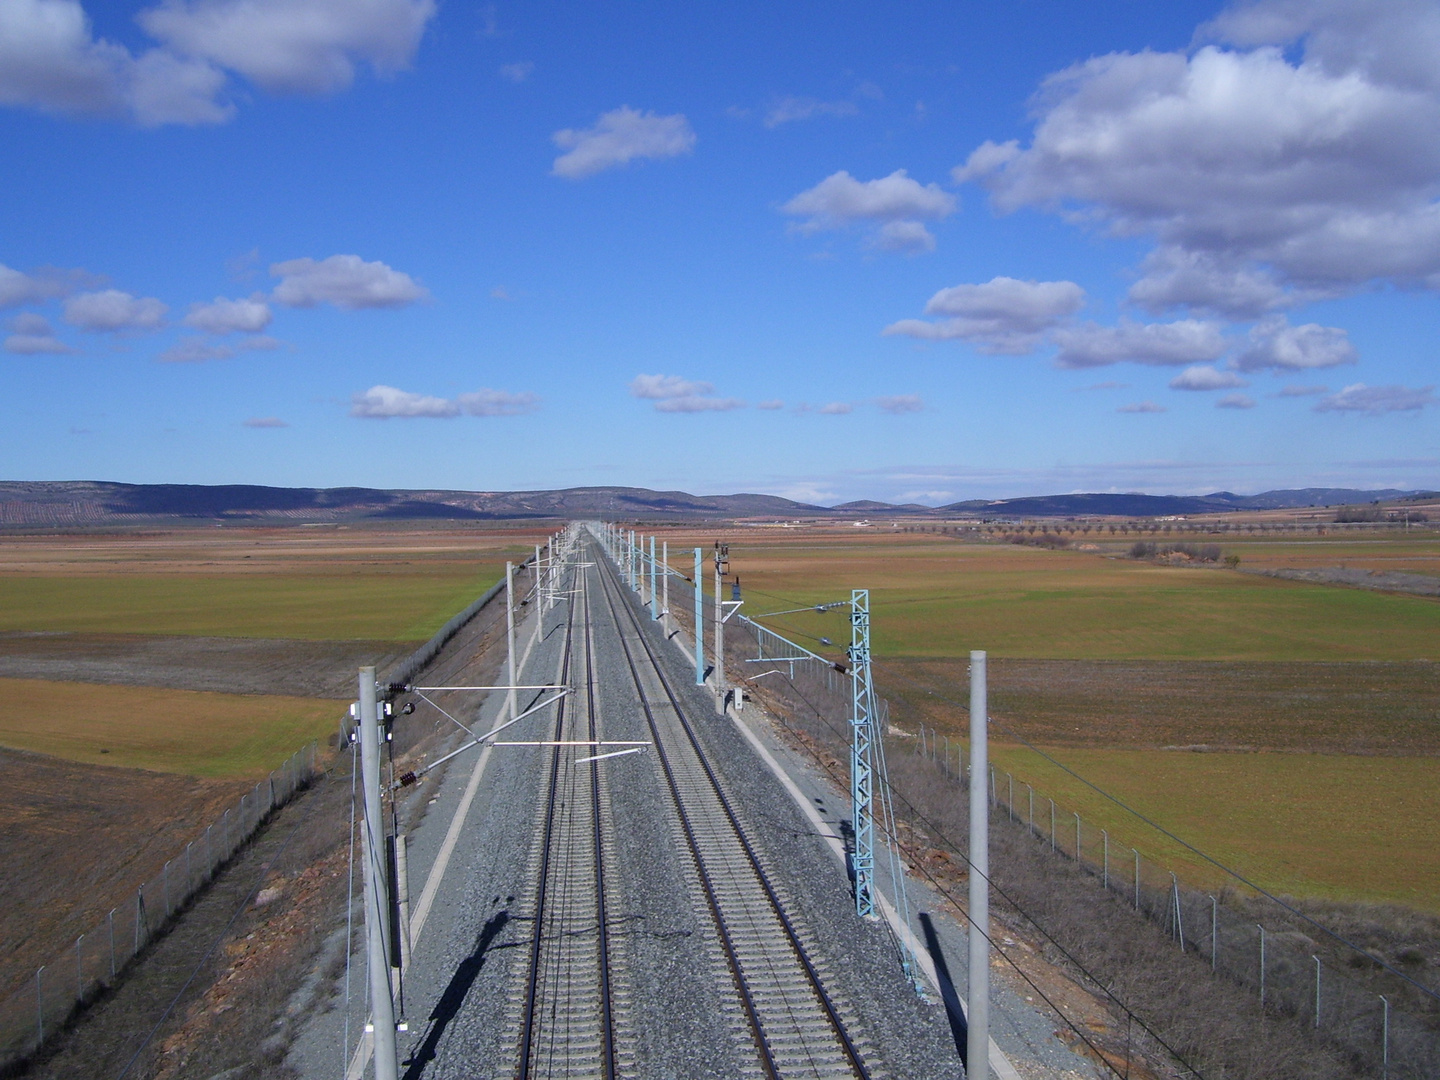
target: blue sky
908 252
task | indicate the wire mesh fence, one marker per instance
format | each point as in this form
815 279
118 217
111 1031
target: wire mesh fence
32 1013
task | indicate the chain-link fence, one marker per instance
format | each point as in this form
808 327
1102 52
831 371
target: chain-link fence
32 1013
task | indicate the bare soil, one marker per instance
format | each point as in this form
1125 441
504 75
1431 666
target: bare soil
316 669
79 840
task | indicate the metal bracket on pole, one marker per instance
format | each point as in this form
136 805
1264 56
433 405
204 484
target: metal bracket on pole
862 732
730 607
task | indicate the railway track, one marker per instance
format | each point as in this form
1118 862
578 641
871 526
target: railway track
796 1026
570 1005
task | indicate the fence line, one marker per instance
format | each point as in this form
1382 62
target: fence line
1279 964
33 1013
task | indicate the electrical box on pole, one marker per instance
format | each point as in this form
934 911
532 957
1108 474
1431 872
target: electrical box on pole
862 737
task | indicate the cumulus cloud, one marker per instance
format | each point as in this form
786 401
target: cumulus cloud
47 283
770 404
222 316
896 204
264 422
386 402
346 281
619 137
1256 173
1003 316
787 110
306 46
835 408
517 72
51 60
899 404
1204 377
1141 407
112 310
671 393
1376 400
1235 401
1277 345
1302 391
34 336
1188 341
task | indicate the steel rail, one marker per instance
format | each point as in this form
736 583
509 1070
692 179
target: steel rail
527 1065
744 989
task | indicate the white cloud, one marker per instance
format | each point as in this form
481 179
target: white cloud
223 316
517 72
1256 172
836 408
671 393
659 387
34 336
1275 344
1141 407
308 46
44 284
619 137
770 404
695 403
899 404
198 350
904 237
789 109
49 60
1003 315
346 281
384 402
1377 399
1302 391
1204 377
113 310
896 202
1235 401
264 422
1188 341
497 403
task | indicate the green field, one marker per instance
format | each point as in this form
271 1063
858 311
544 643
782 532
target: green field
348 605
944 598
222 736
1333 825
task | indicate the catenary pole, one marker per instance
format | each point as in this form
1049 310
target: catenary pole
977 1062
654 601
510 633
699 619
377 907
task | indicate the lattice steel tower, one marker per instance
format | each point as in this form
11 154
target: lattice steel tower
862 731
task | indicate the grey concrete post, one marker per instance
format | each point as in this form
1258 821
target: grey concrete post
977 1053
719 636
699 619
665 588
377 907
654 600
510 634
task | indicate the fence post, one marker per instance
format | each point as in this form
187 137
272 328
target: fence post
1010 796
1317 991
1032 807
110 921
1137 877
139 904
1214 931
79 970
1077 838
1262 965
1105 859
40 1008
1052 825
1179 915
1385 1038
167 890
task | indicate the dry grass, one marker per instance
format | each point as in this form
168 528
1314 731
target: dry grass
228 736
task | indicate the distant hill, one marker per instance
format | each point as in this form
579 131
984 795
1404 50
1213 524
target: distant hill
92 503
